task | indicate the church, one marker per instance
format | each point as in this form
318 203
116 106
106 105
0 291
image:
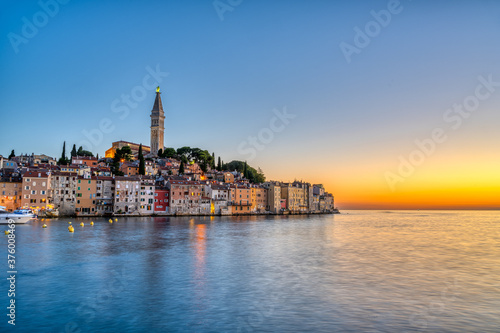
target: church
157 133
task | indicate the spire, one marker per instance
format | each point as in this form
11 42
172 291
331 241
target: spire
158 106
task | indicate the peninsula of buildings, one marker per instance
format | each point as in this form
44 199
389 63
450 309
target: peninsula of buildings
136 180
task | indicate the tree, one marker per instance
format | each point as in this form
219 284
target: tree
142 169
252 175
184 151
82 152
219 165
115 166
63 160
73 151
181 168
245 172
169 153
126 153
212 164
97 156
160 152
12 154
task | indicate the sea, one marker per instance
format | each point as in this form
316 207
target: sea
358 271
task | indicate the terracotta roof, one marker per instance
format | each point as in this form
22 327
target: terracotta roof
36 174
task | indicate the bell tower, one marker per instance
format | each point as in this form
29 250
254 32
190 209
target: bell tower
157 124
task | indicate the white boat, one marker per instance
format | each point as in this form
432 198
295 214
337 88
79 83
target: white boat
26 212
5 217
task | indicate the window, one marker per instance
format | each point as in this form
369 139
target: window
33 192
79 181
32 200
43 183
28 180
78 188
42 192
34 183
26 187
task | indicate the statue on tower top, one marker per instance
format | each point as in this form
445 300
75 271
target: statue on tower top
158 89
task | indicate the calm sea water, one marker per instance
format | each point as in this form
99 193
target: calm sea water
361 271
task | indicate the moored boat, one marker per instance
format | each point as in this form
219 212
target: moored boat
6 217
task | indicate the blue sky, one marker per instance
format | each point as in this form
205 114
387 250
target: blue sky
226 77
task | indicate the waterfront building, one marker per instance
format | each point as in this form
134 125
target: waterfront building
105 190
157 125
86 190
240 199
185 196
147 195
10 192
273 197
219 194
35 189
259 199
63 190
329 202
162 200
296 196
127 195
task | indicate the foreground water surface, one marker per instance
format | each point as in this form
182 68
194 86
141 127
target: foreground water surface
361 271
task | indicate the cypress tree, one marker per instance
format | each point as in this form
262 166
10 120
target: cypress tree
62 160
73 151
12 154
219 165
181 168
142 169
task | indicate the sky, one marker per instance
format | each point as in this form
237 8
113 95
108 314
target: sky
390 105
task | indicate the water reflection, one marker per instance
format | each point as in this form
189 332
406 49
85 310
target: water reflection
362 272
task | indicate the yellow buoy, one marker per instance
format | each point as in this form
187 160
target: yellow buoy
69 222
91 222
7 232
116 220
110 221
71 229
44 226
82 224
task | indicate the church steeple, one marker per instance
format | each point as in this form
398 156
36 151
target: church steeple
157 124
